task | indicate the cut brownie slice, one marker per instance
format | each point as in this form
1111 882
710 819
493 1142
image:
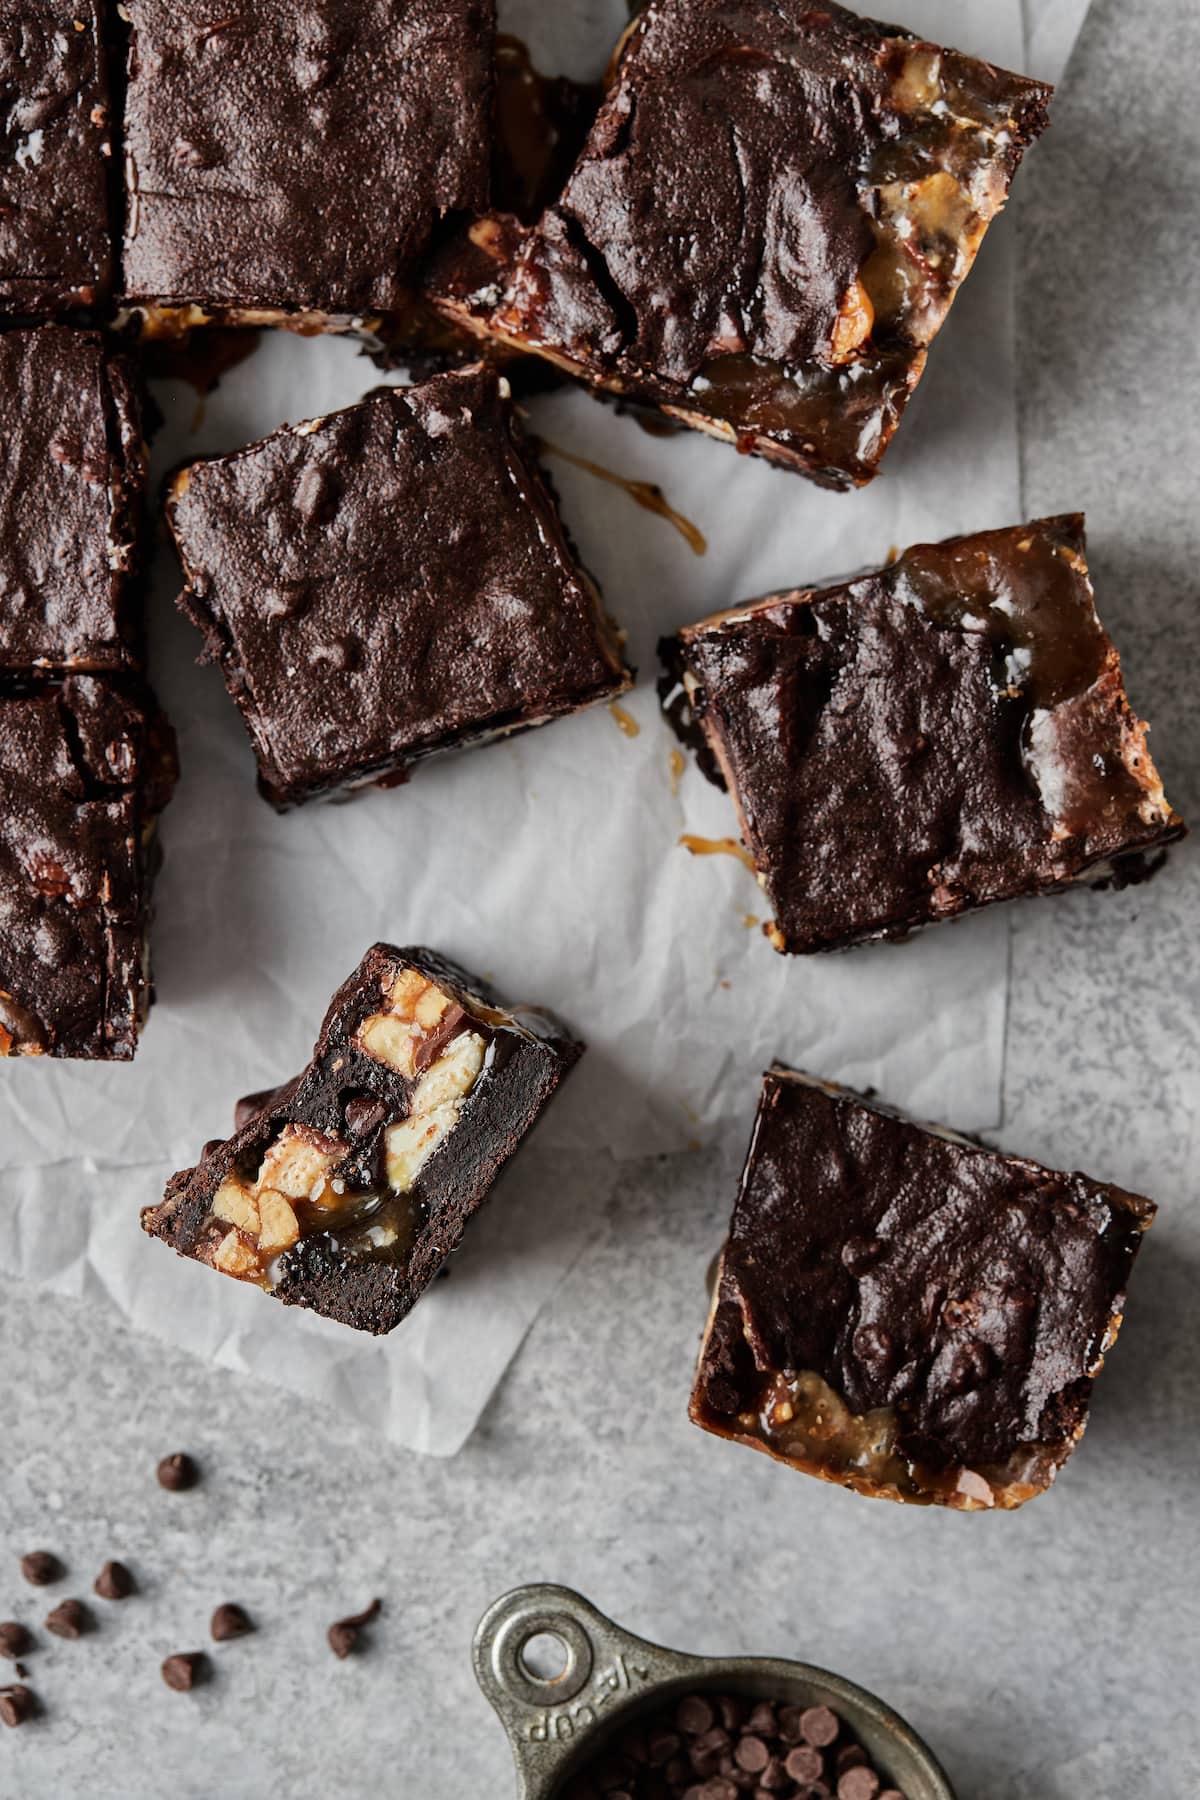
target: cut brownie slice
346 1190
906 1312
296 156
943 733
71 483
55 236
85 768
387 582
770 219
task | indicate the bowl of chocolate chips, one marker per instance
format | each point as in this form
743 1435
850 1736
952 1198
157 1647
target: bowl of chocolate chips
595 1713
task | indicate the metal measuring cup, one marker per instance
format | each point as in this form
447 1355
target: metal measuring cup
555 1726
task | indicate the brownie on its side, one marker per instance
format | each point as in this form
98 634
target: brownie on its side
85 768
346 1190
296 155
767 226
55 234
946 732
387 582
71 482
908 1313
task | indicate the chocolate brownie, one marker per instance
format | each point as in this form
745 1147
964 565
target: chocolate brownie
771 217
296 157
347 1188
943 733
71 482
387 582
55 233
85 768
906 1312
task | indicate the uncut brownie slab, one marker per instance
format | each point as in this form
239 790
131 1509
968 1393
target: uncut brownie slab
771 217
295 157
908 1313
55 162
937 735
72 474
387 582
86 766
347 1188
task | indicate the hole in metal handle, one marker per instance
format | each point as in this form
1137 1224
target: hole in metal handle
541 1657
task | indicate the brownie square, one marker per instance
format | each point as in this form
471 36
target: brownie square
346 1189
298 156
772 215
55 234
387 582
943 733
906 1312
72 475
85 768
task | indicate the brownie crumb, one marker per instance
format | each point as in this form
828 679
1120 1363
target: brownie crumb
15 1639
230 1621
69 1619
41 1567
114 1582
345 1633
17 1703
177 1473
185 1670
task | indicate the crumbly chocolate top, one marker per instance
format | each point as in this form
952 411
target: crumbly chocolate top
299 155
365 1253
71 478
775 189
388 581
83 767
945 732
971 1292
55 239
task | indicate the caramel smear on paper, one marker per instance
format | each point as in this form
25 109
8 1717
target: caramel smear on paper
702 846
625 720
646 494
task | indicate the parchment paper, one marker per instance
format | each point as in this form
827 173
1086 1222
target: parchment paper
551 864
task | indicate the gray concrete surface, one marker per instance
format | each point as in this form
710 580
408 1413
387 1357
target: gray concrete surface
1049 1655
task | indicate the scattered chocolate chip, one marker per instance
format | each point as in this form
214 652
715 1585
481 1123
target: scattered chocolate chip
230 1621
804 1763
177 1473
752 1754
41 1567
15 1640
185 1670
17 1703
114 1582
70 1619
344 1634
819 1725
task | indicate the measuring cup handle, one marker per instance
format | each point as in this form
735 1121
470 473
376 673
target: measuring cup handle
547 1718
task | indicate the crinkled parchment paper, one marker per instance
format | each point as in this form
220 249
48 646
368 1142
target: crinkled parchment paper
550 863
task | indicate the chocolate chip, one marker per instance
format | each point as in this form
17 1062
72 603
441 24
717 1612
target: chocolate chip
114 1582
230 1621
752 1754
790 1728
858 1784
177 1473
861 1253
819 1725
874 1348
17 1703
851 1756
344 1635
69 1619
693 1715
805 1763
185 1670
15 1640
363 1114
41 1567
